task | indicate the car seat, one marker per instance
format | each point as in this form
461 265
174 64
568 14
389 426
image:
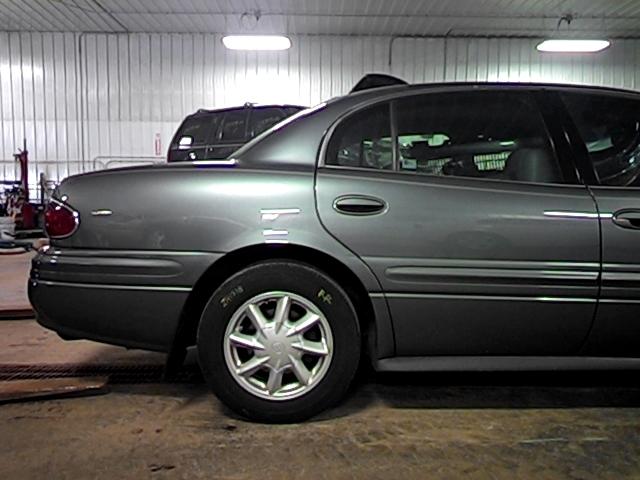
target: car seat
532 165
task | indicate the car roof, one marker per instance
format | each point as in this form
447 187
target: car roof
286 148
206 111
377 91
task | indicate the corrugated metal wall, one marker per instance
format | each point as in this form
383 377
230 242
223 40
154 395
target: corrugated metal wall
85 101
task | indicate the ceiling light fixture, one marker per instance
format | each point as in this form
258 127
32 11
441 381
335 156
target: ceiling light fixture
572 46
256 42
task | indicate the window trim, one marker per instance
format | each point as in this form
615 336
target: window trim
537 96
555 119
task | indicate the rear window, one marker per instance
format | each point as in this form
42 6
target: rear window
364 140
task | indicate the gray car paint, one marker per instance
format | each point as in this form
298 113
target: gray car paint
616 328
452 273
172 212
158 243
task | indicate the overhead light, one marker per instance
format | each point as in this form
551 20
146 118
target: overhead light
256 42
573 46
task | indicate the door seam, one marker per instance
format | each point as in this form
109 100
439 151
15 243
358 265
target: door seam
585 341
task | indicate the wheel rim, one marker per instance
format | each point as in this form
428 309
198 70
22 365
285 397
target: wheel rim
278 345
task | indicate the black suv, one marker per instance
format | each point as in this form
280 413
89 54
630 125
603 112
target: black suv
216 134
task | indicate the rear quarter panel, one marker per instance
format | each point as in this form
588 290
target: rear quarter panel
191 209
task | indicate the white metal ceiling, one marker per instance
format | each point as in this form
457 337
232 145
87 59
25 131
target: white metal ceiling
613 18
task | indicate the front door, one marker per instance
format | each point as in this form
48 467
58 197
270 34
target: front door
482 244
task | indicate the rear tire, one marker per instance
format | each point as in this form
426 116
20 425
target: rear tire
279 342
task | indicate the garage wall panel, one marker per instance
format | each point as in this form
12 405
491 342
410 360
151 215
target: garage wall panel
39 101
86 101
517 60
137 88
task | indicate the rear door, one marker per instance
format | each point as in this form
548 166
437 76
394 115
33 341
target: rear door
471 217
609 127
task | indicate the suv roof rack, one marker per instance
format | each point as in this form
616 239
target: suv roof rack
376 80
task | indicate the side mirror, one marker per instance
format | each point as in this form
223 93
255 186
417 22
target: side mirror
185 142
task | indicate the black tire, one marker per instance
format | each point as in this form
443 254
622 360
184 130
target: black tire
300 279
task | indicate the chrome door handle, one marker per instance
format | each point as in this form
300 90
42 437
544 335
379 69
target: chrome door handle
359 205
627 218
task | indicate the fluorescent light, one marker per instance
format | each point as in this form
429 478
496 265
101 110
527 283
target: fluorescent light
256 42
573 46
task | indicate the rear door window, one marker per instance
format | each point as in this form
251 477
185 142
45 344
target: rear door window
497 135
234 126
610 128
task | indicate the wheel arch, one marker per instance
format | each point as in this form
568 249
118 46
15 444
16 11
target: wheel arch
236 260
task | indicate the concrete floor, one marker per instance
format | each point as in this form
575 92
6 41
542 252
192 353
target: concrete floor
14 273
449 426
481 426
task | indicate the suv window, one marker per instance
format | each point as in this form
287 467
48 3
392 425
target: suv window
264 118
363 140
196 129
233 128
498 135
610 129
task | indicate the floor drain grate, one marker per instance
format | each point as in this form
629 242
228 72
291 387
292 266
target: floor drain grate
116 373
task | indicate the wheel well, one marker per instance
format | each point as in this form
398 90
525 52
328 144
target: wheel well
235 261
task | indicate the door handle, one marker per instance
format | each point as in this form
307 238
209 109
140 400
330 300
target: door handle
359 205
627 219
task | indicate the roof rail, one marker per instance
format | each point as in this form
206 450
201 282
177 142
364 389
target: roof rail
375 80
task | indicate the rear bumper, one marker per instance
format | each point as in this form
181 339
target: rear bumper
133 299
110 314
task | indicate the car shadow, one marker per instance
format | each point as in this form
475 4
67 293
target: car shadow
471 390
494 390
431 390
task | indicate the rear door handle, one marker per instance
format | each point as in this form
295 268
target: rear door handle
627 218
359 205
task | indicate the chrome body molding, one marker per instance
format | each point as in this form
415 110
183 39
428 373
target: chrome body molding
123 268
481 297
569 214
270 214
503 363
104 212
215 163
149 288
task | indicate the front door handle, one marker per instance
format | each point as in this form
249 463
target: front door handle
359 205
627 218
